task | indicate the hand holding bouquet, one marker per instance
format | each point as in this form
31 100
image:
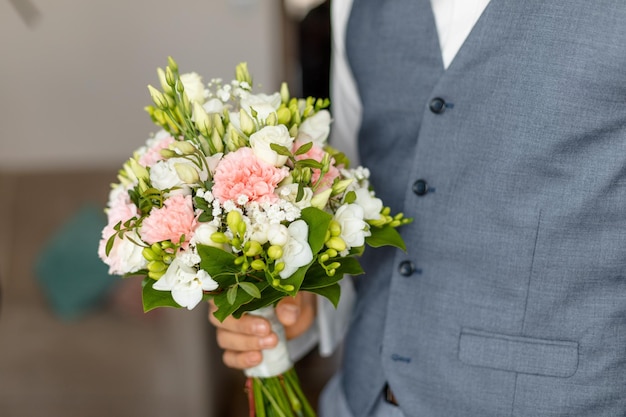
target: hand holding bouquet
238 198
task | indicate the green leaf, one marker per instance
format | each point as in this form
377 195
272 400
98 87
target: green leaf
304 148
333 293
280 149
311 163
316 276
152 298
231 294
269 296
250 289
385 236
225 308
219 264
296 279
318 222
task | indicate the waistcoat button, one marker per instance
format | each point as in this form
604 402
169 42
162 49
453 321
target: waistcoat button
420 187
406 268
437 105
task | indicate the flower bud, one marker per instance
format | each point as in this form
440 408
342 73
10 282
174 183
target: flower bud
168 153
233 218
170 78
242 74
149 254
247 123
284 115
257 265
158 98
156 266
183 147
167 89
319 200
341 186
335 228
272 119
219 237
187 173
279 267
218 124
240 260
138 170
216 141
253 248
331 252
284 93
275 252
336 243
172 64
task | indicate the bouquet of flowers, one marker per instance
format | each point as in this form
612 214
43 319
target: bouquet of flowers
238 198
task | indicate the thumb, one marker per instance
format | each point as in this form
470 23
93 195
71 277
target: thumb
297 313
288 310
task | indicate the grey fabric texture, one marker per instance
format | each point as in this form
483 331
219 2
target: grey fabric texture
516 304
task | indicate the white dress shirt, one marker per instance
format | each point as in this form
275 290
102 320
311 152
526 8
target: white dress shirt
454 20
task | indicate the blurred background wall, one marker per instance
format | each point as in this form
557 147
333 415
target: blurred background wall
74 72
73 77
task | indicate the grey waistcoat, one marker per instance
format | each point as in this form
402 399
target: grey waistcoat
511 299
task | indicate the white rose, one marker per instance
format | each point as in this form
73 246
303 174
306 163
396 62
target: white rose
213 106
260 143
316 128
353 228
164 175
186 283
126 257
194 87
263 104
296 252
371 205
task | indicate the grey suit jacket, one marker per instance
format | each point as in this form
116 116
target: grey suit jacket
511 299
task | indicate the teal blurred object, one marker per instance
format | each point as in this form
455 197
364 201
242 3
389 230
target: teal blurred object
72 276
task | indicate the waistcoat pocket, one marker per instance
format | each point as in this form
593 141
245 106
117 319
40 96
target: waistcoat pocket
525 355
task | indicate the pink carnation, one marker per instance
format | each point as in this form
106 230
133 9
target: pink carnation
242 173
170 222
316 153
153 154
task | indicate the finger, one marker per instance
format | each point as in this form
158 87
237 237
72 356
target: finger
297 314
242 360
239 342
247 324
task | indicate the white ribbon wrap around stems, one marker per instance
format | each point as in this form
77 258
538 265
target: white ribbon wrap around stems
276 361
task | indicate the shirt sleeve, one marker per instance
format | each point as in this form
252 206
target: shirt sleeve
331 323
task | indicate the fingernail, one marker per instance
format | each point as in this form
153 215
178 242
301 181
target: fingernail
260 328
267 341
253 358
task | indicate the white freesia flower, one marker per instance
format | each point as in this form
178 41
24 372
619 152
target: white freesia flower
296 252
186 283
258 232
202 235
371 205
315 128
278 234
260 143
263 104
194 87
353 227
